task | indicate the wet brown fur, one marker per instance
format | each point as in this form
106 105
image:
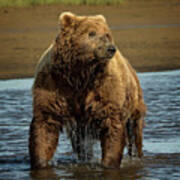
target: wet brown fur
103 99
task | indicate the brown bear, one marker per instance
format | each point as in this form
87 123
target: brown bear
83 83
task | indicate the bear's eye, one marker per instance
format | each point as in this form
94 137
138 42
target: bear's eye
92 34
108 36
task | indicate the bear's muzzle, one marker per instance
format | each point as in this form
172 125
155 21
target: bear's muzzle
111 49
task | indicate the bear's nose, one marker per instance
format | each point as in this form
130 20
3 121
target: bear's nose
111 49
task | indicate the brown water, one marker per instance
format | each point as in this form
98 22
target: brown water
161 136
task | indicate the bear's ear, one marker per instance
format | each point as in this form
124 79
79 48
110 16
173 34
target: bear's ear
101 17
66 19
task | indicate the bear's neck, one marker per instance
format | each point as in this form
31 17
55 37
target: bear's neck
80 78
85 78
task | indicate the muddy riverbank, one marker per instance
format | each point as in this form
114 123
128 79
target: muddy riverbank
146 32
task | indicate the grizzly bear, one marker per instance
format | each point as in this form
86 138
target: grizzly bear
84 84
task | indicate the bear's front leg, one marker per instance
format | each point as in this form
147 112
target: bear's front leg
42 142
112 144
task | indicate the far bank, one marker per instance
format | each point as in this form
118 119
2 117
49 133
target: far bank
147 34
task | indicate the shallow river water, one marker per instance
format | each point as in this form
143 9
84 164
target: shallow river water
161 136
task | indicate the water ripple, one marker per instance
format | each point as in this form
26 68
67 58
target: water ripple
161 135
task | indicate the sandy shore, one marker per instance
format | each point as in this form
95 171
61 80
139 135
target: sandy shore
146 32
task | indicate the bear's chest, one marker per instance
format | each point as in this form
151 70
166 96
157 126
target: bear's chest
82 107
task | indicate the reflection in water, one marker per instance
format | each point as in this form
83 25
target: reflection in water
88 171
44 174
161 136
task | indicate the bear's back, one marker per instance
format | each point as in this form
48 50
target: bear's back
44 61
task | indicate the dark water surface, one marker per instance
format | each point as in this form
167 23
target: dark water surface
161 136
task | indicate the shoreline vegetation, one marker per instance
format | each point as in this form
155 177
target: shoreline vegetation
26 32
22 3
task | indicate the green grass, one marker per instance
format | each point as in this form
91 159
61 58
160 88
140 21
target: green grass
5 3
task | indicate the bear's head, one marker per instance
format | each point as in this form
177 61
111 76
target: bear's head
84 39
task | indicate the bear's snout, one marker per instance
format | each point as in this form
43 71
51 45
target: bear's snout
111 49
105 51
